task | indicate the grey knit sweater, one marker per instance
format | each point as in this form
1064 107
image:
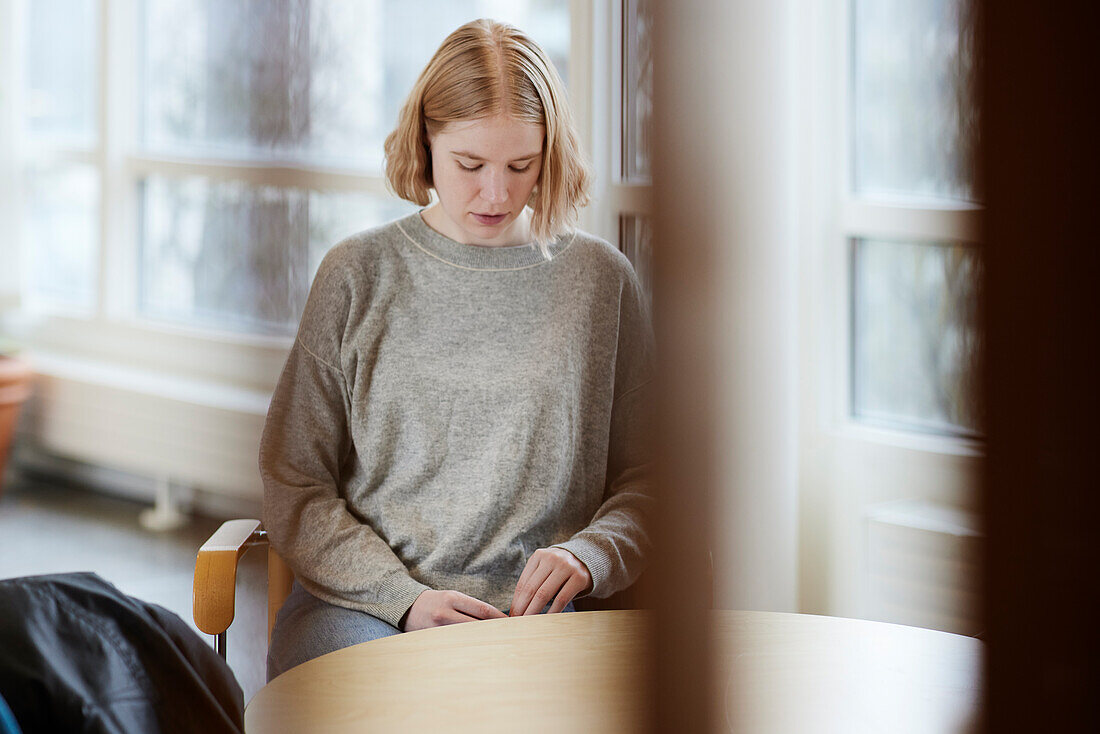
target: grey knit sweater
447 409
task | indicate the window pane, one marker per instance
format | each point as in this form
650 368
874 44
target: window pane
637 89
60 234
914 124
635 240
233 257
336 215
61 78
915 335
319 80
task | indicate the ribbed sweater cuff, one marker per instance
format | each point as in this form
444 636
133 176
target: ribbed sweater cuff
400 591
594 558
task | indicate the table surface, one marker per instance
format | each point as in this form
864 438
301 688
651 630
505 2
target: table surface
584 671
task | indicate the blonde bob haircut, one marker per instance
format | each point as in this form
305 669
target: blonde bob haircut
483 69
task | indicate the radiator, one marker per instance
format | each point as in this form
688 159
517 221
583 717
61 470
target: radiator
201 436
924 566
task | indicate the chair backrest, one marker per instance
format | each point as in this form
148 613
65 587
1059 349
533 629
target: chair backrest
216 577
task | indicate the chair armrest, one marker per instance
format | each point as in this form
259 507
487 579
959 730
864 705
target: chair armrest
216 573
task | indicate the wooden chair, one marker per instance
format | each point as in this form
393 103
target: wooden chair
216 578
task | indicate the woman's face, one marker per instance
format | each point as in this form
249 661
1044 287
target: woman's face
484 172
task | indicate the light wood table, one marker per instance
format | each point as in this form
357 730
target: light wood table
804 673
584 672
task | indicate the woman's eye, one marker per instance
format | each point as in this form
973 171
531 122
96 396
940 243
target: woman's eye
478 166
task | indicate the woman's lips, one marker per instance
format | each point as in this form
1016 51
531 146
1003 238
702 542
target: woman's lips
490 219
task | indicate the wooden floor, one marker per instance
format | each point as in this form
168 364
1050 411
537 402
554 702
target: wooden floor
47 526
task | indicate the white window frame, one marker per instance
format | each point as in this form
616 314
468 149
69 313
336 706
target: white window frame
620 197
113 331
847 466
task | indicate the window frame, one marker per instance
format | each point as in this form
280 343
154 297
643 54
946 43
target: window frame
847 467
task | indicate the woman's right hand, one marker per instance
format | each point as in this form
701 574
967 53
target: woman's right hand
437 608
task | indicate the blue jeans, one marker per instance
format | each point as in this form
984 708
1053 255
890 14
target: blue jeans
307 627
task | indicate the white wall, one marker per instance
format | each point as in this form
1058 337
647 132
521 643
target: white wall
734 152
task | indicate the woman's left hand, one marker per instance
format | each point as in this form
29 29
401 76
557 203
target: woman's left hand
550 573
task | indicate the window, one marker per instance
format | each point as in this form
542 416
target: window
60 182
631 193
637 89
891 270
313 81
62 72
914 335
184 167
62 210
914 297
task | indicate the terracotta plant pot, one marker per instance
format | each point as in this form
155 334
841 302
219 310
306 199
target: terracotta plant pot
16 376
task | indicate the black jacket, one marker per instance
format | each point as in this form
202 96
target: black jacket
78 655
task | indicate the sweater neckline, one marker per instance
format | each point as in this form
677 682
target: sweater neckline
476 257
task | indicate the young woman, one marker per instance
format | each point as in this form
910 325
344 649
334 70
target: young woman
459 431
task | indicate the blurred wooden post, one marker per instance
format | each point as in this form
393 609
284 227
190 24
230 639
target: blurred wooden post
684 292
724 309
1041 155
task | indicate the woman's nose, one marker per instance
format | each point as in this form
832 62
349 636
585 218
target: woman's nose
494 189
